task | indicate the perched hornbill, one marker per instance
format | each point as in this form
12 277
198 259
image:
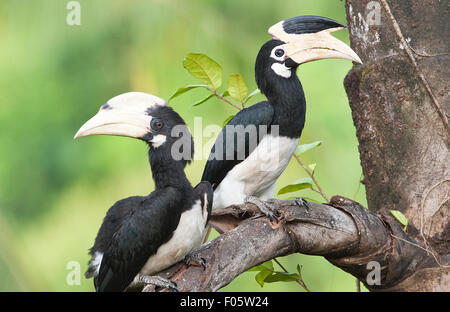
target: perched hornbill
252 177
142 235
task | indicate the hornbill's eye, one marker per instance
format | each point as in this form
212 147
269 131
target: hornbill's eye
157 124
279 52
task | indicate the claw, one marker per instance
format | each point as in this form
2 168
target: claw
195 259
157 281
265 207
272 217
287 202
302 202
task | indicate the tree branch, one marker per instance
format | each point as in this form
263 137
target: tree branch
350 238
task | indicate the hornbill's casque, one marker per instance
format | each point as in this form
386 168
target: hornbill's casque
252 178
142 235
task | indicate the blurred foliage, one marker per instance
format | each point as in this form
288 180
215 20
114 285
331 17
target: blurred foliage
54 191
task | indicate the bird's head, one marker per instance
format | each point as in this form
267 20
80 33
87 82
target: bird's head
146 117
299 40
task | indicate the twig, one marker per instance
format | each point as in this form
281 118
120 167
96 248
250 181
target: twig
426 249
424 54
413 61
422 206
223 98
358 285
314 190
312 177
359 185
436 211
300 282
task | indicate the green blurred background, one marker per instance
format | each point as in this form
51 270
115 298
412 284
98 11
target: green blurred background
54 191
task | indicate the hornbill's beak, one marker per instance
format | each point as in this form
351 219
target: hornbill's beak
308 38
127 115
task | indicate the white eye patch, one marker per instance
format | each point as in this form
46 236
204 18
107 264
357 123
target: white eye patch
278 54
281 70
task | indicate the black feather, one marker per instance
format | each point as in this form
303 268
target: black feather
216 169
148 226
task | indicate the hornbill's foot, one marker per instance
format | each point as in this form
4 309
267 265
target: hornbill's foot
266 208
159 281
290 202
194 258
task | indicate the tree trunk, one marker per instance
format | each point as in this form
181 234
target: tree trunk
400 100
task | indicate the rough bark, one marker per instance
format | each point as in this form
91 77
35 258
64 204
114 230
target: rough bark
400 99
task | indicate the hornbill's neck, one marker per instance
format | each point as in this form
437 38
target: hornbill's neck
288 100
167 171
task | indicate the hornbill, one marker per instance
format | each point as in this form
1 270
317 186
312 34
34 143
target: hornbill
142 235
244 170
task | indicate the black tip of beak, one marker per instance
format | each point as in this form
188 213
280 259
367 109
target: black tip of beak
148 137
308 24
290 63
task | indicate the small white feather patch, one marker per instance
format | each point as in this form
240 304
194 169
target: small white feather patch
96 262
281 70
158 140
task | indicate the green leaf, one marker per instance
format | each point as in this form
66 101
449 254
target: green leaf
227 120
203 100
282 277
180 91
400 218
252 94
306 147
312 167
298 185
266 266
261 276
237 87
204 69
225 93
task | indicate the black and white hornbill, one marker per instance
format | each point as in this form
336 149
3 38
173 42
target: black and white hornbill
252 178
142 235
